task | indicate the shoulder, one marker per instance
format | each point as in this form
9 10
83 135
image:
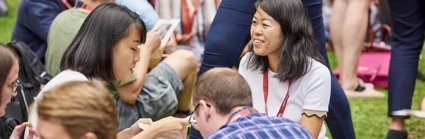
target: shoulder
64 77
318 70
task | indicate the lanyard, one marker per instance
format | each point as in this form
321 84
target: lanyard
188 15
242 112
266 94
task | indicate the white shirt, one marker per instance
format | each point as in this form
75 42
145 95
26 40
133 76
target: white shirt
63 77
309 92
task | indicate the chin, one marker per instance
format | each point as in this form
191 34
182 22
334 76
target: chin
259 53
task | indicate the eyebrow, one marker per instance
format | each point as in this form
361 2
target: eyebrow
137 41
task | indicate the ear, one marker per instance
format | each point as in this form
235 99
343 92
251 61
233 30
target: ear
206 109
89 135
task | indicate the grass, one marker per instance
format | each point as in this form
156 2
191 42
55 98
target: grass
8 21
369 115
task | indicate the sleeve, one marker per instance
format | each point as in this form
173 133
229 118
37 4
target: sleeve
316 91
144 9
41 15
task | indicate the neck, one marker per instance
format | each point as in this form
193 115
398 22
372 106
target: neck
273 62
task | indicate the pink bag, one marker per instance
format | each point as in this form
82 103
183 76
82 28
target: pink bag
373 67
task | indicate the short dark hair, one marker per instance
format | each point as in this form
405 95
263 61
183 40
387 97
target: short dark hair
91 50
224 88
7 58
299 43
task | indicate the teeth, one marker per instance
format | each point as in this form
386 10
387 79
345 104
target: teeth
258 41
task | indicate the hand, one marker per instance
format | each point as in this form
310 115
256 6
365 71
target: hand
170 124
171 45
184 39
153 40
20 128
135 129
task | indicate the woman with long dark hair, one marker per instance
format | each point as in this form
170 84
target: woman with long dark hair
284 68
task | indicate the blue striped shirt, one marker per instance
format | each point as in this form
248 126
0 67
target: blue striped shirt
260 126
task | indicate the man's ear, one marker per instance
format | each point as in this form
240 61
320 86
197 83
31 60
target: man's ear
89 135
206 109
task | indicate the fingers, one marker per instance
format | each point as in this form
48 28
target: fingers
32 134
18 130
145 121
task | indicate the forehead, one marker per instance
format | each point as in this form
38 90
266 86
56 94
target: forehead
260 14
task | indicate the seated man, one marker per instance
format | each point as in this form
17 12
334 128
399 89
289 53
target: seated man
223 109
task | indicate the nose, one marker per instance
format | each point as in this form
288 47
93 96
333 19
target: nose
136 58
258 31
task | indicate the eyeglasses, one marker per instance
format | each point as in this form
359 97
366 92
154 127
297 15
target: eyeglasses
15 85
192 119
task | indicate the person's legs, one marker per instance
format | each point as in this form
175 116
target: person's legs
339 9
339 116
353 36
228 34
226 38
408 22
184 63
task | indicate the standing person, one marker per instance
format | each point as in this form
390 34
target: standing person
408 26
34 20
9 71
229 34
284 68
223 109
107 48
348 27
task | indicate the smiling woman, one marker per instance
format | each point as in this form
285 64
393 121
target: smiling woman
284 68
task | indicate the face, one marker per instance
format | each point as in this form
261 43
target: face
266 34
7 91
126 54
51 130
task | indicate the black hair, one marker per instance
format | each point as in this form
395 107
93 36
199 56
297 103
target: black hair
91 50
298 44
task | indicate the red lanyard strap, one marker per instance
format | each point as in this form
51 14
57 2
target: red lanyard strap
266 94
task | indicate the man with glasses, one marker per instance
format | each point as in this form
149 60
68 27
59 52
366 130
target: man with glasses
223 109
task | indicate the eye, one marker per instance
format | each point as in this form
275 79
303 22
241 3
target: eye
134 48
265 25
254 22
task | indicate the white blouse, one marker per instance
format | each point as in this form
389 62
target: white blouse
308 94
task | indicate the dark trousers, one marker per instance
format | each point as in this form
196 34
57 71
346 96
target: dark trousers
229 34
408 26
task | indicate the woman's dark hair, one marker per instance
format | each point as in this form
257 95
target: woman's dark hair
299 43
7 59
91 50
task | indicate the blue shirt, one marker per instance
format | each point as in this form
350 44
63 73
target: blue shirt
144 9
260 126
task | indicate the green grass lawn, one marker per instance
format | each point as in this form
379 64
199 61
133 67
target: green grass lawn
369 115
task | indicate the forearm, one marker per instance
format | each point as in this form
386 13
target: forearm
313 124
129 93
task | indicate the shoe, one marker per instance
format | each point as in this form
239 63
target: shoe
363 90
396 134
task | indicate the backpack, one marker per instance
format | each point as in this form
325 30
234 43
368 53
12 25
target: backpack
32 76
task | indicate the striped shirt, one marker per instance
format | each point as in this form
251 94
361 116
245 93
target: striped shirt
260 126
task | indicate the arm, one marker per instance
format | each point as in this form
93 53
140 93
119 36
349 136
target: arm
130 92
170 127
313 124
317 89
41 16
